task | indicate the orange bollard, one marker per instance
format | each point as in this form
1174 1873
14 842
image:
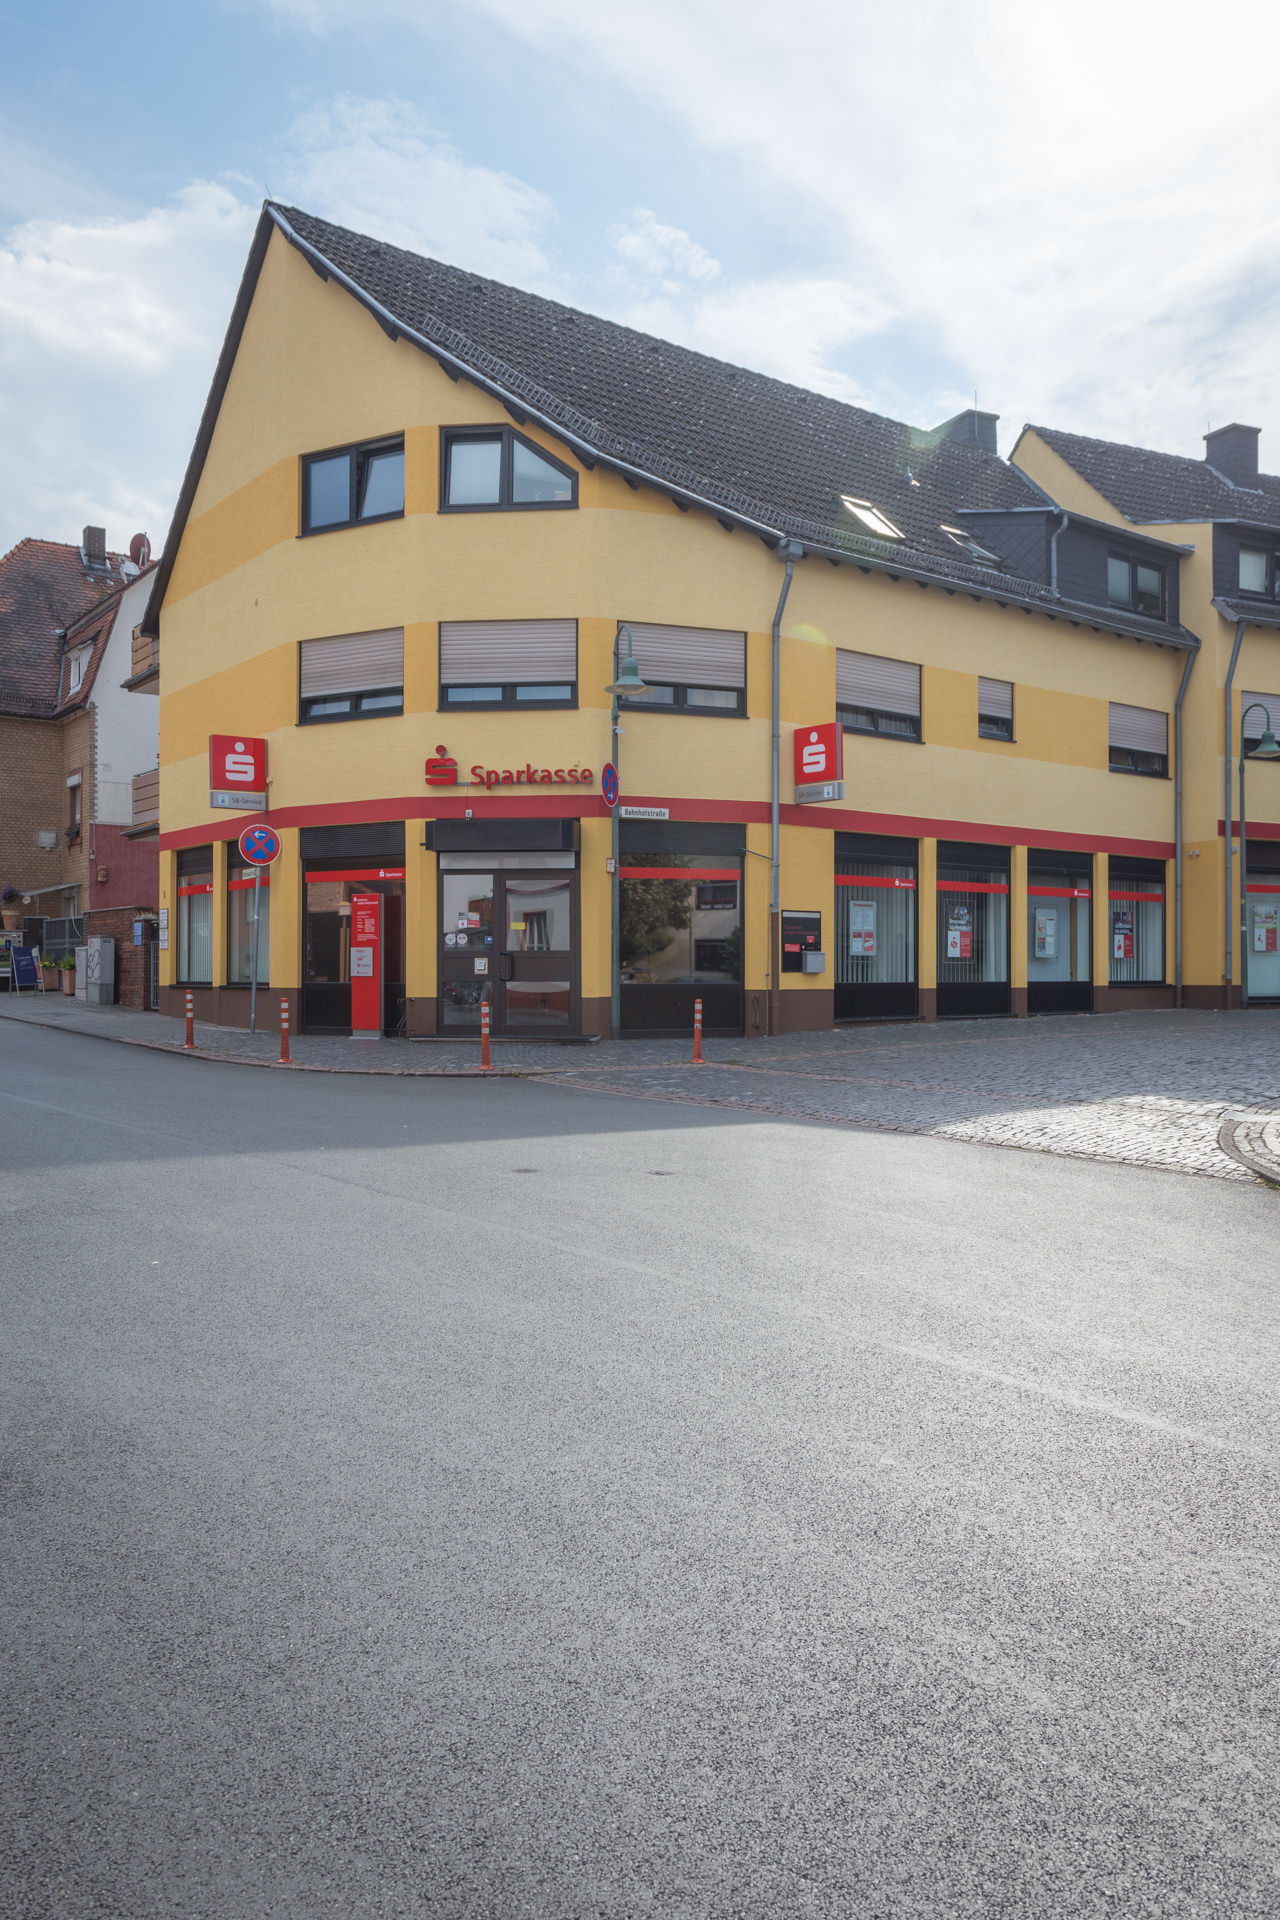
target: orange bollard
485 1061
191 1021
698 1060
284 1034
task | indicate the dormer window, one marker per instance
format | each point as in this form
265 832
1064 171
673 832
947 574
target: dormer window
498 470
872 518
1134 584
353 485
1256 570
76 664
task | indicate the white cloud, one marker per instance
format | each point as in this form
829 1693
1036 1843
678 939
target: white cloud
380 167
657 252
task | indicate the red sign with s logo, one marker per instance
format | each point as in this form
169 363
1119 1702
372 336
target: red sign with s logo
236 760
819 753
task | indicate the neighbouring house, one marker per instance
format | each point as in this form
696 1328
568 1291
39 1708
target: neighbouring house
78 756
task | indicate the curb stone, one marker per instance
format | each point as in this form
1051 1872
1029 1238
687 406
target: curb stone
1253 1141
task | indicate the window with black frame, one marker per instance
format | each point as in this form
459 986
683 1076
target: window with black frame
690 669
353 486
1138 740
680 926
1136 901
508 663
878 695
498 470
1135 584
195 916
1059 931
351 676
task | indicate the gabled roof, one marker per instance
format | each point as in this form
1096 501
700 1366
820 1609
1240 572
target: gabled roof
756 452
44 586
1148 487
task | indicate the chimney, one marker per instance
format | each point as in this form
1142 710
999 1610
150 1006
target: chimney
94 547
1233 452
971 428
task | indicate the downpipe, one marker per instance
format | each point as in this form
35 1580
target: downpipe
790 551
1177 829
1226 815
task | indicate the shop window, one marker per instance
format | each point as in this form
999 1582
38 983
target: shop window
995 709
195 916
1136 585
240 898
1136 906
973 925
1262 928
508 663
878 695
351 486
351 676
717 896
875 925
690 669
500 471
1138 740
1059 949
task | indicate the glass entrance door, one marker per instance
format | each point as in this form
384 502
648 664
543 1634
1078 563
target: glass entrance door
511 940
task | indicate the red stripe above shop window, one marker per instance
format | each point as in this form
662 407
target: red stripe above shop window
206 886
357 873
1136 896
235 886
1060 893
870 880
678 873
1257 887
973 886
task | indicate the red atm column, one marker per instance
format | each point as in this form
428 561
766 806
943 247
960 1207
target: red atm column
366 963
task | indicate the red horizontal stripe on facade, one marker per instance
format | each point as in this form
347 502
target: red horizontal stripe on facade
677 873
206 886
564 805
972 886
1251 888
234 886
1059 893
871 880
1254 829
355 873
1135 896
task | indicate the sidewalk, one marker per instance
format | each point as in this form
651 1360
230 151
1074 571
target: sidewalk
1187 1092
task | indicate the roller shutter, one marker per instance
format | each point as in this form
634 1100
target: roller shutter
353 663
493 653
995 698
1141 729
869 680
1257 720
689 656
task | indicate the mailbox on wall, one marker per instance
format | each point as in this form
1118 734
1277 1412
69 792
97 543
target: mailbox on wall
802 943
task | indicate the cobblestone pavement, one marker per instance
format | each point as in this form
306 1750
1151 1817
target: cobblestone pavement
1147 1089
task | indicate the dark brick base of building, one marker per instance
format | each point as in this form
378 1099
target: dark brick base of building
133 964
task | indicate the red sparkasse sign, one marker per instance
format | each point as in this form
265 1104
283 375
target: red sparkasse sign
237 761
442 771
819 753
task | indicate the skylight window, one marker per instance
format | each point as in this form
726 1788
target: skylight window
965 539
872 518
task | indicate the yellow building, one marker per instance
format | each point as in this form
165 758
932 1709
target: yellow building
431 521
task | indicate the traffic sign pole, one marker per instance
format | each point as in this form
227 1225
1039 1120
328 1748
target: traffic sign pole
253 964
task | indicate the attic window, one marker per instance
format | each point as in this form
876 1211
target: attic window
351 486
962 538
499 470
76 663
872 518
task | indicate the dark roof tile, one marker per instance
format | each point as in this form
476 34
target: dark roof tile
1149 487
44 586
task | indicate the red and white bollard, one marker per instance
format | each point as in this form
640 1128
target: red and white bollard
698 1060
485 1061
191 1021
284 1034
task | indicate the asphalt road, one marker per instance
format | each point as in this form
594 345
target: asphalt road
468 1499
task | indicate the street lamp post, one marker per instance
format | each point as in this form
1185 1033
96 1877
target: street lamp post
626 685
1266 749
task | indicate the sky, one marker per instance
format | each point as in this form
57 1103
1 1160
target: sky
1070 212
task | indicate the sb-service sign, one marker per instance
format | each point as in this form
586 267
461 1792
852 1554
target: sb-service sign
237 771
259 846
609 784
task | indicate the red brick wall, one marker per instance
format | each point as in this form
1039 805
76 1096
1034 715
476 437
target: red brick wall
132 963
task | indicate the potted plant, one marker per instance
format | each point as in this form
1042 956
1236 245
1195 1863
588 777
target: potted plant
67 966
11 909
49 972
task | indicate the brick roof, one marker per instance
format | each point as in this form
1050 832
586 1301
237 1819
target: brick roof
44 585
1148 487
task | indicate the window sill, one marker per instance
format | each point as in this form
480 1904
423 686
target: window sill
895 739
1139 773
346 526
344 719
504 706
516 506
683 713
998 739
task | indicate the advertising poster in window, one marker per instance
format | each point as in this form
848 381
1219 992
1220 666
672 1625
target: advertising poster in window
1266 928
862 926
1122 936
1046 933
959 934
